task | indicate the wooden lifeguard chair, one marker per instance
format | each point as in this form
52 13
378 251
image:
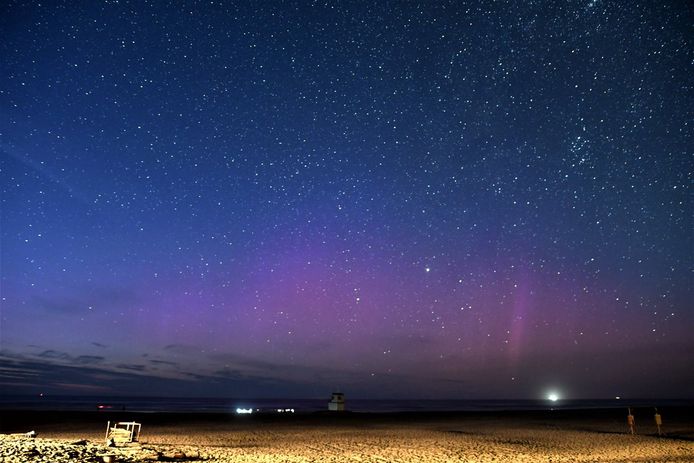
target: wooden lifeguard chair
123 432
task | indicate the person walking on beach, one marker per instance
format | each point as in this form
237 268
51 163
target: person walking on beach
631 422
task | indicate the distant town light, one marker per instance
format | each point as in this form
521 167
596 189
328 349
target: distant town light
552 396
244 411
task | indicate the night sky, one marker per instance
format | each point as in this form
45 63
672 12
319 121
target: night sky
395 199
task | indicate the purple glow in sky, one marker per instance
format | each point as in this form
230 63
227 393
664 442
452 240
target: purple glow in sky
435 200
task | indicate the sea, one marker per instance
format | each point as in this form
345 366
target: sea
232 405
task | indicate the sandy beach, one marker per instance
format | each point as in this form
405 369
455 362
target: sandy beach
547 436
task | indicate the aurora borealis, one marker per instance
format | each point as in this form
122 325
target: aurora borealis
434 199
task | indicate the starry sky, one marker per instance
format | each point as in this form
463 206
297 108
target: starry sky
397 199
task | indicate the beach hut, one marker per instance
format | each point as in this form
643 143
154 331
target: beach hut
337 402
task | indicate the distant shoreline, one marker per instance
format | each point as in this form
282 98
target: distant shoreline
302 406
18 420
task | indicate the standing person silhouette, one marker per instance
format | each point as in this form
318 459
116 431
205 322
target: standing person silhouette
631 422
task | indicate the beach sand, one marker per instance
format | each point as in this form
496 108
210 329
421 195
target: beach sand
548 436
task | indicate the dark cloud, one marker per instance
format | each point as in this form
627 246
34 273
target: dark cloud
196 376
227 373
67 358
163 362
182 349
133 367
43 375
52 354
87 359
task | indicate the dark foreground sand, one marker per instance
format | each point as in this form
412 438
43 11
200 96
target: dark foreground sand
549 436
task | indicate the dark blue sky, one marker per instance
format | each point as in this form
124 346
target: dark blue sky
434 199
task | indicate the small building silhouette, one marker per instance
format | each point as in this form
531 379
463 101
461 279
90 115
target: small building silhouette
337 402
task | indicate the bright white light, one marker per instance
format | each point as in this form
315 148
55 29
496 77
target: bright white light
244 411
553 396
